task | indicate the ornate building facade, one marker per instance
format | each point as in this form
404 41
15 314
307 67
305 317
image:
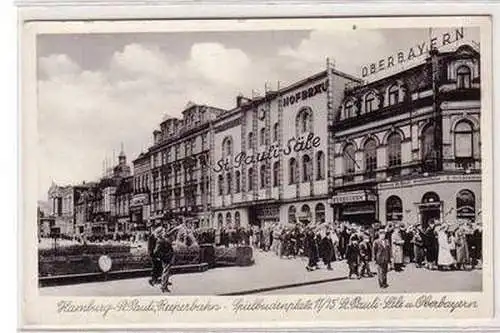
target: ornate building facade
407 147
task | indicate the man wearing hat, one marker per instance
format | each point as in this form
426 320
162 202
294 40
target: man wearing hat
382 256
155 261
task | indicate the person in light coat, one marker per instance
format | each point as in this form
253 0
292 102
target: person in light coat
445 259
397 249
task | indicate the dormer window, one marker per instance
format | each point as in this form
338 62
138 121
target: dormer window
463 77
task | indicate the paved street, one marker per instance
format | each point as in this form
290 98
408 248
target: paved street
272 275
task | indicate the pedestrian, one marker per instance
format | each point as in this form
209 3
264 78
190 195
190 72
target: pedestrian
156 266
365 253
430 244
418 247
165 252
462 249
397 249
326 250
445 260
382 256
312 251
352 256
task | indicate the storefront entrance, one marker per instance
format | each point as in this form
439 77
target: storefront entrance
357 207
264 215
430 209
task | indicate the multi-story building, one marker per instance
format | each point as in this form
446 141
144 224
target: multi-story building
171 179
407 147
271 153
62 202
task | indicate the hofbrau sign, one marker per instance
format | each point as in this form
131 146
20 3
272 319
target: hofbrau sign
306 93
412 53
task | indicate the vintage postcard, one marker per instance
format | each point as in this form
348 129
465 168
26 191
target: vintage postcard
247 172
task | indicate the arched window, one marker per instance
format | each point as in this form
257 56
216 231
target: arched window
394 208
263 139
227 146
250 140
306 168
319 211
428 144
237 220
370 103
320 165
463 77
292 169
305 214
394 149
276 176
220 222
263 176
229 221
393 94
370 157
466 205
292 215
349 109
430 197
250 179
349 161
463 140
276 129
237 181
229 182
304 121
221 185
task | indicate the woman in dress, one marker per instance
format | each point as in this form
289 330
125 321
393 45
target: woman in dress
397 249
445 259
462 249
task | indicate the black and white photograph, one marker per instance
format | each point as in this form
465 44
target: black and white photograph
260 162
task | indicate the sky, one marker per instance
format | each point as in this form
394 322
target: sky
97 91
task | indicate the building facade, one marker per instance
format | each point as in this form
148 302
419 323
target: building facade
270 155
407 147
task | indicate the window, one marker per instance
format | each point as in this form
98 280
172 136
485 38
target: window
305 214
304 121
429 152
463 77
229 221
320 165
292 169
320 213
227 146
250 140
394 149
292 215
463 140
306 168
220 222
394 94
221 185
276 129
349 160
466 205
370 157
237 182
263 139
394 208
229 182
250 179
349 109
263 176
370 103
237 220
276 176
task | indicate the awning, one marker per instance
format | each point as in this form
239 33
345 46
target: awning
358 212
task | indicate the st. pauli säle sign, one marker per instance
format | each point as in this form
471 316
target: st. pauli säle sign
294 144
412 53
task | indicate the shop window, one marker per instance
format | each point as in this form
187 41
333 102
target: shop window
370 103
220 222
229 183
463 77
306 168
250 179
394 150
221 185
304 121
292 169
250 140
320 165
237 181
305 214
370 158
292 215
463 144
393 94
229 221
349 162
276 176
394 208
320 213
466 205
276 129
263 176
237 220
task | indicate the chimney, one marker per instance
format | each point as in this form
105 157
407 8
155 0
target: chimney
239 100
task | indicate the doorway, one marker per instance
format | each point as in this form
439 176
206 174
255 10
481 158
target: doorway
430 209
